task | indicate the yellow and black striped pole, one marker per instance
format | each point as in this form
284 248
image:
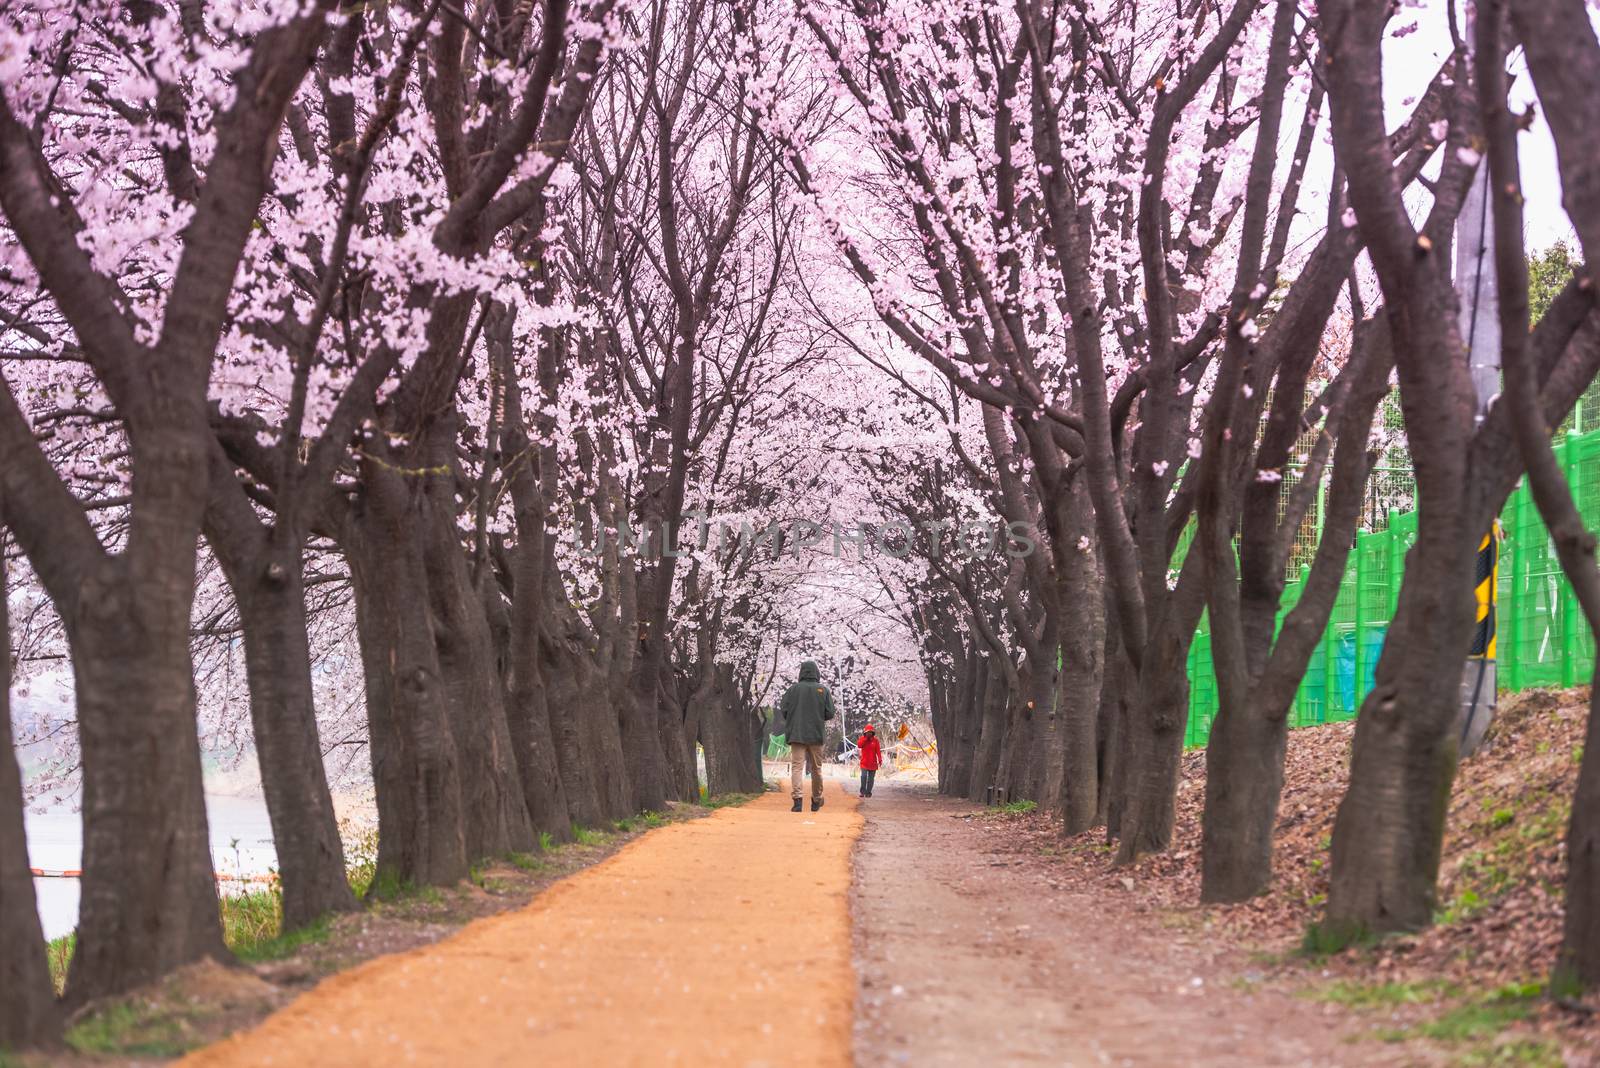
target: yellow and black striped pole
1487 577
1478 683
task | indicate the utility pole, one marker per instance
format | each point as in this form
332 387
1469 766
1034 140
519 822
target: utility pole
1480 329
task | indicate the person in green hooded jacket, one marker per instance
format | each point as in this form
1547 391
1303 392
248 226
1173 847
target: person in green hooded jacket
806 706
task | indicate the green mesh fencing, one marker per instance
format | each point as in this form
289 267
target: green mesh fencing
1541 636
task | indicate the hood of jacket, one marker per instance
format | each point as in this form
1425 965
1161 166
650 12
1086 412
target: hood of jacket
808 672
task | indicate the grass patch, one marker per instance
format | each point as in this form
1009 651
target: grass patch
1521 1053
252 920
1476 1020
1359 995
1329 937
643 821
360 857
526 862
1016 808
286 944
1463 906
547 842
1512 848
586 836
386 885
122 1028
726 800
58 952
252 926
389 887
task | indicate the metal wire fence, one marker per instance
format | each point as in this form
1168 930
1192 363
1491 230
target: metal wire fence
1541 636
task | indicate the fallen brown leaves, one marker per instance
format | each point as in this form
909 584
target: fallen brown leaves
1500 891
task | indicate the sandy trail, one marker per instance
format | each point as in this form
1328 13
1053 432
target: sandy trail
968 956
723 940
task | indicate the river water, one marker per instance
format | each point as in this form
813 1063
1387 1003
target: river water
241 844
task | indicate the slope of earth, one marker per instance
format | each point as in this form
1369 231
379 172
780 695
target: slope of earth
971 952
724 940
1471 986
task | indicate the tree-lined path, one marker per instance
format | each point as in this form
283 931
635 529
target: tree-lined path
455 424
904 931
723 940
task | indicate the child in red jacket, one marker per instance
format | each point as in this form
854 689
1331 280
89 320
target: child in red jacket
871 759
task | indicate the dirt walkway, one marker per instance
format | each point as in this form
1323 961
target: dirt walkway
724 940
968 957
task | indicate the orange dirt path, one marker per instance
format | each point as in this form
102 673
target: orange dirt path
723 940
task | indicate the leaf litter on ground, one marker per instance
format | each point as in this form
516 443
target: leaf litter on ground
1499 918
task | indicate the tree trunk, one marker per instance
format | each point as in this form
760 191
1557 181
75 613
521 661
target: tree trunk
528 715
494 811
729 731
678 745
957 750
28 1016
1244 782
415 771
641 729
1077 721
1053 783
990 735
1083 642
522 720
939 714
1390 827
1155 746
1111 717
148 899
283 717
1011 771
603 739
563 698
1022 770
1114 733
265 570
534 586
1578 963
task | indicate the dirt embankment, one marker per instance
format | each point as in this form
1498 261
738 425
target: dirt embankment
1499 918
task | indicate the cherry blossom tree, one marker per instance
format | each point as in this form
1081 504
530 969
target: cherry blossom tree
1388 834
1563 56
134 255
1247 518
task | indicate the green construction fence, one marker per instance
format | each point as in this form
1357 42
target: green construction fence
1541 636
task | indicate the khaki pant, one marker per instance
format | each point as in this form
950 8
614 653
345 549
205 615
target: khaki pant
799 757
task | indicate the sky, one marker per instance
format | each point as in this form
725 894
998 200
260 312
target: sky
1410 62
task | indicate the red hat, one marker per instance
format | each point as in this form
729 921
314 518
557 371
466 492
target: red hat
867 728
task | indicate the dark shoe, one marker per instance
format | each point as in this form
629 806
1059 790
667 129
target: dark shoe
796 805
816 803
